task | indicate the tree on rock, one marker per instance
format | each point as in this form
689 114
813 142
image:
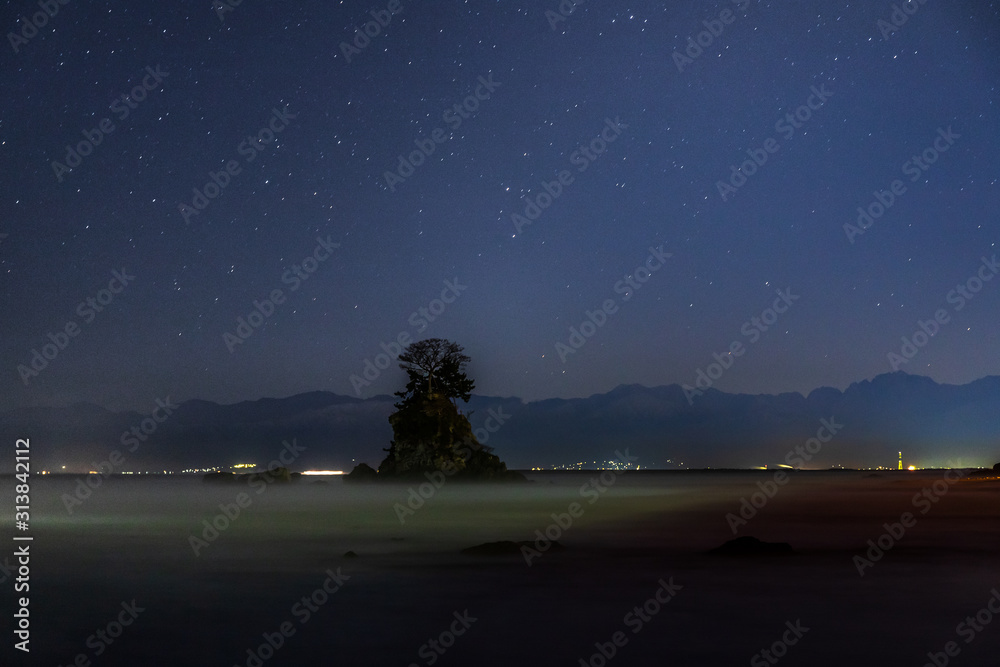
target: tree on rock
430 435
435 367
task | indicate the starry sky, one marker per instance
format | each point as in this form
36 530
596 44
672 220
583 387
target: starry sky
169 169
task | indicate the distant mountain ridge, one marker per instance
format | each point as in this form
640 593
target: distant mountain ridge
933 424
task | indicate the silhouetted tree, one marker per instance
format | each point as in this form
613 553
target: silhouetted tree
429 434
435 366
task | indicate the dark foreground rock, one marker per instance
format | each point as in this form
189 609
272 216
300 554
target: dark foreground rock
751 546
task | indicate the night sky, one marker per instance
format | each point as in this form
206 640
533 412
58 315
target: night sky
645 154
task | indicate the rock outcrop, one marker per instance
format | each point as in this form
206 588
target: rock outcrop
362 473
430 436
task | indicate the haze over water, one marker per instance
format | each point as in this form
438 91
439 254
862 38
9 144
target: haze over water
132 540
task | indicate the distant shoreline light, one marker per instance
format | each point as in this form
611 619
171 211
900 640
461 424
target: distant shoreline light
322 472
